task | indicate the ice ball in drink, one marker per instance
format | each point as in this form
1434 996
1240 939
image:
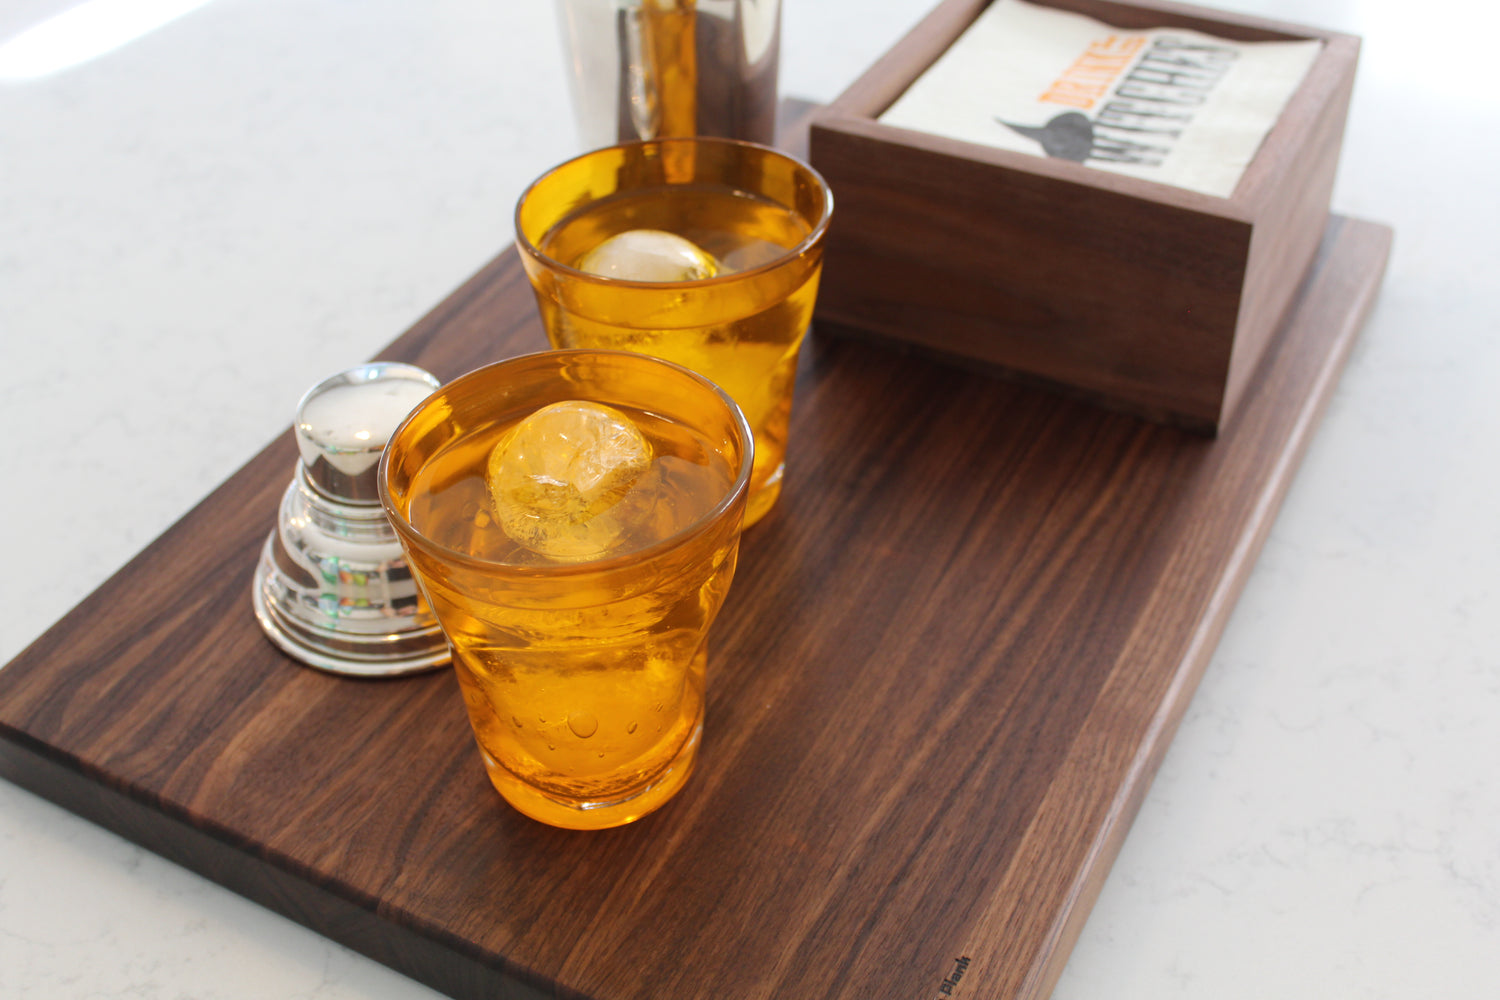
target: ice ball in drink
561 480
649 255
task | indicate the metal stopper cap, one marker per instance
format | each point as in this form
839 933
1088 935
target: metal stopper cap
333 588
344 422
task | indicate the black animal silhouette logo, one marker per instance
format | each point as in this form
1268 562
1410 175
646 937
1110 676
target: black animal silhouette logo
1072 136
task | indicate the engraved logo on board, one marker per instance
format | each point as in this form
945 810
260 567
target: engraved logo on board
949 986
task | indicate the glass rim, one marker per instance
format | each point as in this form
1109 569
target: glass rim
814 235
738 487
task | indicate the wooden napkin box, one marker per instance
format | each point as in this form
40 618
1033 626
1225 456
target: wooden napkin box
1142 296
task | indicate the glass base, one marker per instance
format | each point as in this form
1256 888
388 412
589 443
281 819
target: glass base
575 814
763 497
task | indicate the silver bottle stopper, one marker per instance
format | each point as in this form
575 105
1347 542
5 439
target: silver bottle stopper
333 588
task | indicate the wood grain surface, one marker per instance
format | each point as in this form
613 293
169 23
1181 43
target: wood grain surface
950 662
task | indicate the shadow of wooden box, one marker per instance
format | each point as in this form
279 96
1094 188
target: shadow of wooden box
1144 297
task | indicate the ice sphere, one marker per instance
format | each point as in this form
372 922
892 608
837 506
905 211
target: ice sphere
559 479
649 255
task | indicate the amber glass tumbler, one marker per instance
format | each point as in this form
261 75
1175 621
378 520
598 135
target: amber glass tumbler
760 213
583 679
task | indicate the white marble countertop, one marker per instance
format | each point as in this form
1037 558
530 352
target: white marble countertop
196 227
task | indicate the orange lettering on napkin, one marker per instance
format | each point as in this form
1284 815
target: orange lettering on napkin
1090 76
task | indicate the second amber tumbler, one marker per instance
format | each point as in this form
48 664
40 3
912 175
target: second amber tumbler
759 213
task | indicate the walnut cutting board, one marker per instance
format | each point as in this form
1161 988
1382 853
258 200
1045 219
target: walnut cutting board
949 665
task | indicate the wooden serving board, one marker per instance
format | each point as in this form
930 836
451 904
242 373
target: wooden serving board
949 665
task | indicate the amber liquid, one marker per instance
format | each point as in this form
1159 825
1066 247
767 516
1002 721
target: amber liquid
584 685
742 331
